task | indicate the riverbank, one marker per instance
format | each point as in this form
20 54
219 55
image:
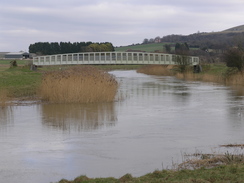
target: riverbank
209 168
221 174
20 83
215 73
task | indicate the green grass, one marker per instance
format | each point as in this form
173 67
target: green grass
4 64
19 62
20 82
143 47
220 174
197 168
214 68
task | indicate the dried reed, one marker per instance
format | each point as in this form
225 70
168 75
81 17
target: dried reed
78 85
235 79
201 77
3 97
159 70
211 160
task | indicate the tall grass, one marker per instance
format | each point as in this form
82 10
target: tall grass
78 85
3 97
160 70
228 77
235 79
199 160
211 73
201 77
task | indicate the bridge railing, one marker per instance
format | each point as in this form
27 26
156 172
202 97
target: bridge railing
111 58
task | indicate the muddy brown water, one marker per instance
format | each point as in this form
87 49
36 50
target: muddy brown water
154 121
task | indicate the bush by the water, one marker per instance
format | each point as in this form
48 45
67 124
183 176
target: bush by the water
78 85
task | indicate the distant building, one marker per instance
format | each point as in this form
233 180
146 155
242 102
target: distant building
17 55
2 55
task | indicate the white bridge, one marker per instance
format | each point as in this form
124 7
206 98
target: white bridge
91 58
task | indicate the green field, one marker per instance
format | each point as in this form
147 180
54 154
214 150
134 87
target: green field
20 82
19 62
5 64
143 47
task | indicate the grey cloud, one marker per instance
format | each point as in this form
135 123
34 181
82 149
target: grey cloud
121 22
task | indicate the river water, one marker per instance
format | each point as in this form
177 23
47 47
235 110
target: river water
154 121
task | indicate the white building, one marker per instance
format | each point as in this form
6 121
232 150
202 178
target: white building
17 55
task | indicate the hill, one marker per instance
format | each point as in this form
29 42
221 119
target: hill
235 29
205 40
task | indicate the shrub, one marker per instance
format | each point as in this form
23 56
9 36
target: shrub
13 63
234 57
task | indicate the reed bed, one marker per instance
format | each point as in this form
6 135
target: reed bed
78 85
200 160
3 97
234 79
200 77
216 73
159 70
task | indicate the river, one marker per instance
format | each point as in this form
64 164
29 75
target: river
152 123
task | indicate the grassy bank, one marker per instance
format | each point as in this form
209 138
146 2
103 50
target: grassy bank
200 168
19 82
221 174
217 73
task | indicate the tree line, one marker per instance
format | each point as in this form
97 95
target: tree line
46 48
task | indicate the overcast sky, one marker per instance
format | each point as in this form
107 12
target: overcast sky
122 22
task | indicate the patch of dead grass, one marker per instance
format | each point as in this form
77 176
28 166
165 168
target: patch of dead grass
78 85
4 98
199 160
160 70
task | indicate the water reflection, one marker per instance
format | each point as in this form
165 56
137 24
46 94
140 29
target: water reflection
6 116
79 117
236 111
238 90
167 85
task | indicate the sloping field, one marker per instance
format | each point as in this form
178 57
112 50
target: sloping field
235 29
143 47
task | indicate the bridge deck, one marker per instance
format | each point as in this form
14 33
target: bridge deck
111 58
